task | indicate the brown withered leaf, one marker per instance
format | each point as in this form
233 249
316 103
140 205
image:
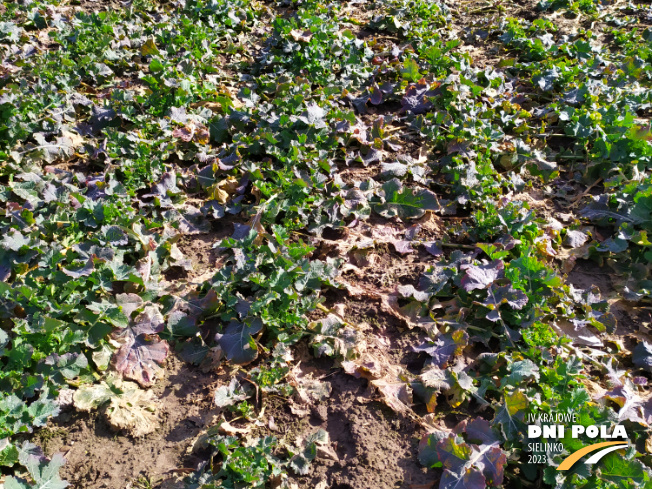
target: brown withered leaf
388 301
390 380
193 131
301 36
308 390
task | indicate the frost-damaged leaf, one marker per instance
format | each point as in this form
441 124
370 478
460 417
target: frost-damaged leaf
417 98
308 390
80 270
397 395
505 294
394 200
388 234
148 322
313 444
633 407
470 456
577 331
135 412
127 406
149 48
313 116
192 221
389 379
128 304
481 276
510 417
90 397
444 347
229 395
139 358
301 36
237 343
192 132
575 238
224 190
642 356
334 337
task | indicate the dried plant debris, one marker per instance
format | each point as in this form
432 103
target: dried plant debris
124 404
450 203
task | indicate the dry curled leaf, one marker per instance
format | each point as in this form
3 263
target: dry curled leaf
223 190
125 405
301 36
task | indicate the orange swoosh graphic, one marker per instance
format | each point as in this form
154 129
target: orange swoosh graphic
574 457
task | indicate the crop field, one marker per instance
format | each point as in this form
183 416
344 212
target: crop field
303 244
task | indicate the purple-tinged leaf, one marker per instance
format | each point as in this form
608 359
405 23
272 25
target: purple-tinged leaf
80 270
191 221
417 98
493 460
444 347
342 126
428 448
403 247
505 294
481 276
433 248
237 343
89 250
376 95
139 358
100 118
575 238
129 303
461 147
369 155
240 231
642 356
453 455
5 273
478 431
467 480
148 322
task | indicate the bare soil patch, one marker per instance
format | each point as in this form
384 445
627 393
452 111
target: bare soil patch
99 458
